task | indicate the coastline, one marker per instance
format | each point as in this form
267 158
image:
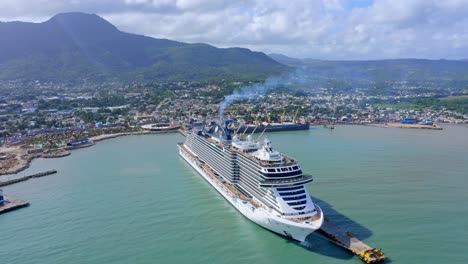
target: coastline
114 135
20 158
392 125
407 126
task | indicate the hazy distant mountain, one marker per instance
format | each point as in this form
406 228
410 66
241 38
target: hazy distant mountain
84 46
286 60
381 70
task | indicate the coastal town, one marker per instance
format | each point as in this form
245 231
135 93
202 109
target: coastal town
176 131
49 120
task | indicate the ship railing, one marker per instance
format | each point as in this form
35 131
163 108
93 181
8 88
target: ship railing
229 187
220 142
300 219
247 197
286 161
315 218
303 178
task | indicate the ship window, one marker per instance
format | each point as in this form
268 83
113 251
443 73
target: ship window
295 167
271 170
292 193
284 174
289 189
284 169
299 208
294 198
298 203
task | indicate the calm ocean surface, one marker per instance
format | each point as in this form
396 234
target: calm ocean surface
134 200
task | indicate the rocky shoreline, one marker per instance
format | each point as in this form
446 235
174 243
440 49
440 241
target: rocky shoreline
25 160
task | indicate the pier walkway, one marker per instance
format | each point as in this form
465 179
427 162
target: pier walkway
348 241
10 205
25 178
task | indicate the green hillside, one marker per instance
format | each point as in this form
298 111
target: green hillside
83 46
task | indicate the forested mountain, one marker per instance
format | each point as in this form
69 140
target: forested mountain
382 70
84 46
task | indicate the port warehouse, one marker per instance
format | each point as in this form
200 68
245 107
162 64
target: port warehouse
78 142
412 120
409 120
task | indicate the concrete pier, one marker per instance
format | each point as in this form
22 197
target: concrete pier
348 241
7 204
25 178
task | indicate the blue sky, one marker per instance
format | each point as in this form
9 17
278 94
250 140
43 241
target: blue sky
323 29
349 5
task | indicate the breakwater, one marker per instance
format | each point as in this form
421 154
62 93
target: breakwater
25 178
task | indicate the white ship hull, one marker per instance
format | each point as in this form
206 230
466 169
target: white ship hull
262 216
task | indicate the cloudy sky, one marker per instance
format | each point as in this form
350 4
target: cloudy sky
324 29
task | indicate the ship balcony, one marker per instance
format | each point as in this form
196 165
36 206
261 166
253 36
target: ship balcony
286 182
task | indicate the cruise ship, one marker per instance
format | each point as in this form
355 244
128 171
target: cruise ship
263 184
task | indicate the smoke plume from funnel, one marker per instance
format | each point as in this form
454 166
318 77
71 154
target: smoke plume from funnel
256 90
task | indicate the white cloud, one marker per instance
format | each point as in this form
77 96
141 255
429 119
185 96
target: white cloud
335 29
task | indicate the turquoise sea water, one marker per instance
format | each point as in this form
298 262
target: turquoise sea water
134 200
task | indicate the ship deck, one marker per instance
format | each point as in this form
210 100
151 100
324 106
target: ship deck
233 189
314 220
286 161
216 177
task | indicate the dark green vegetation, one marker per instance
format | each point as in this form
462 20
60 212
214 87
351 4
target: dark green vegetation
384 70
75 46
456 103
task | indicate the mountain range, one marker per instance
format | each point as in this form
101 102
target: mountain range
413 70
85 46
79 46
